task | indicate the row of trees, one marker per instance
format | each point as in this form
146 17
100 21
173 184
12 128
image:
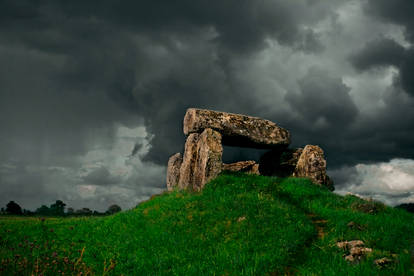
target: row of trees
56 209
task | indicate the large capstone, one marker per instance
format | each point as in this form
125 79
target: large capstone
237 130
173 171
202 160
312 164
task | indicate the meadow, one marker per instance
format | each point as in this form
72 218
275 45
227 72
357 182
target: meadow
238 225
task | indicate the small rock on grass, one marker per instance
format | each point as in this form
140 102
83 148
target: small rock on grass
383 262
359 251
241 219
349 244
355 249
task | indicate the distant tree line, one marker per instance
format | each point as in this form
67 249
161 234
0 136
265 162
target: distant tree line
56 209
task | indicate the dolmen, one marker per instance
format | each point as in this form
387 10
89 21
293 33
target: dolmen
207 131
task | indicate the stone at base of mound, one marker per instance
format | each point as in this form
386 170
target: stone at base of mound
242 166
312 164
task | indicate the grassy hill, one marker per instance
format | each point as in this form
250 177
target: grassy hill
239 225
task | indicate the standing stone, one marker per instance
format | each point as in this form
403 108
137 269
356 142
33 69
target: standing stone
312 164
209 159
202 159
189 161
173 170
279 163
242 166
237 130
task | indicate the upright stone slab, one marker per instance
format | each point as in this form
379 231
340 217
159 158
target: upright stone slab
202 159
237 130
189 162
312 164
173 171
209 159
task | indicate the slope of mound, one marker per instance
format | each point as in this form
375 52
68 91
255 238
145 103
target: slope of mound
238 225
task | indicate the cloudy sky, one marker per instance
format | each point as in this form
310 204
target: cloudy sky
92 93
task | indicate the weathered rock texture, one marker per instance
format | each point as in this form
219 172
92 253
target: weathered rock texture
173 170
189 162
280 163
355 249
202 159
208 130
383 262
237 130
312 164
209 159
242 166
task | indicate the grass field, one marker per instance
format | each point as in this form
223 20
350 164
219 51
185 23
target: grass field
239 225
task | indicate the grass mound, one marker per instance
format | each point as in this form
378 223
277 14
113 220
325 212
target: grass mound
239 225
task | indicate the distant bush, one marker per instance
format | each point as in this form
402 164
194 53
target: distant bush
13 208
84 212
113 209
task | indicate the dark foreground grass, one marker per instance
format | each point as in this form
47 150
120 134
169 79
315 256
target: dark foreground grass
239 225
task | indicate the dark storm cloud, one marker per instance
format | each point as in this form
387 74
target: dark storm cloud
319 99
106 52
397 12
241 25
386 132
378 53
101 177
407 72
386 51
323 113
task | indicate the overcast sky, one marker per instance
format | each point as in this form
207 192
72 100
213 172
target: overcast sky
92 93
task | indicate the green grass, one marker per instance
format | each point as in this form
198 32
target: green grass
239 225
